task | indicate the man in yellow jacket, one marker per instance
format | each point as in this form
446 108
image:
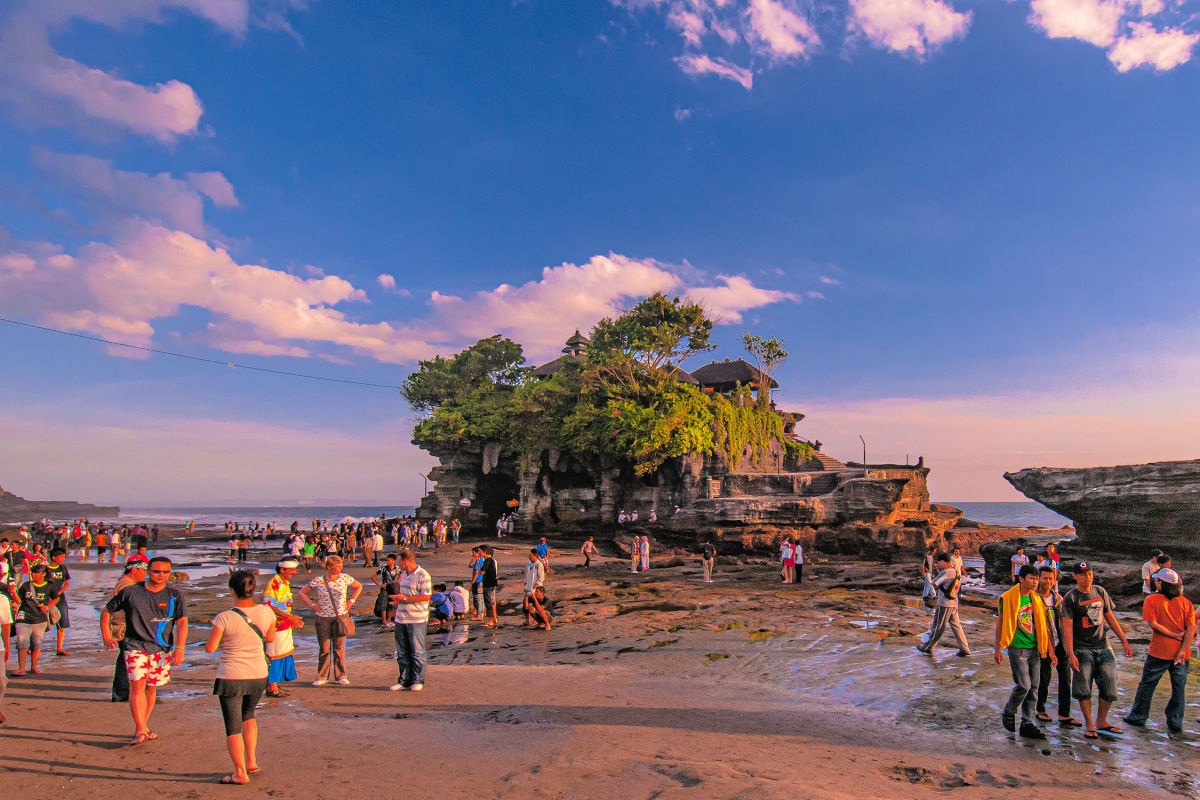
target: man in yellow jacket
1022 627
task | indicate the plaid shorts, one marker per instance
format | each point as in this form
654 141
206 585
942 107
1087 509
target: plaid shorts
153 668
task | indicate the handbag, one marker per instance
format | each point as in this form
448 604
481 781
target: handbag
345 622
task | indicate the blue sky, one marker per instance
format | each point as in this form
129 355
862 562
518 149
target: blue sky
974 224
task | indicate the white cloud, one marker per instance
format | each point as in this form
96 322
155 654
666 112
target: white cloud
1092 21
780 31
1145 46
116 194
825 279
682 113
738 294
47 88
907 26
386 281
696 64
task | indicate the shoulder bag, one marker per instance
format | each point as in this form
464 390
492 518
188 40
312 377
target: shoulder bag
345 622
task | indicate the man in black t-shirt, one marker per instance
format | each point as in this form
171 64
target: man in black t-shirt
1085 610
155 637
490 583
59 578
708 555
35 598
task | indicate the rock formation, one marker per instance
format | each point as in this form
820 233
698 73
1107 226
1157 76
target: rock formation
14 509
1126 509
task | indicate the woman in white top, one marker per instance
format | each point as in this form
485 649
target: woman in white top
242 634
331 595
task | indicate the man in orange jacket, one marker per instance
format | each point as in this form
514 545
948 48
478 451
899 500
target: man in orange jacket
1022 627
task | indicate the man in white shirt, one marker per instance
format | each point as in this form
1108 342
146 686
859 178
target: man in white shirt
412 617
798 558
957 563
1148 569
535 600
535 572
1018 560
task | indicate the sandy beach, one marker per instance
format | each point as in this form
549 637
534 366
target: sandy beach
650 685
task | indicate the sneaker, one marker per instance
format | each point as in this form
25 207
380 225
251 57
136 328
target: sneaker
416 687
1031 731
320 682
1010 721
395 687
344 681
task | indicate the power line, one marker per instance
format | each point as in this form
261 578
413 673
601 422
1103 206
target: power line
102 340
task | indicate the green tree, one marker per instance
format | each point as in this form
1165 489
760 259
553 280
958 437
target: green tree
655 332
495 361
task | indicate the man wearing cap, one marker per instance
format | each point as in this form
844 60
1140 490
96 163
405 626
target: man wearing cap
278 596
1085 611
1173 623
1022 627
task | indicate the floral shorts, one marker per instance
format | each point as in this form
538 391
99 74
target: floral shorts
153 668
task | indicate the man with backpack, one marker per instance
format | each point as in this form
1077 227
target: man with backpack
946 585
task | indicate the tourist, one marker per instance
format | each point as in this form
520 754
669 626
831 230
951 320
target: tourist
1087 608
543 551
242 634
645 553
332 597
708 556
1019 560
460 600
36 598
134 572
59 579
957 562
368 548
787 555
6 614
653 515
117 547
947 585
441 608
928 593
1047 590
635 553
278 597
535 572
588 550
414 591
476 567
537 609
101 542
797 561
386 578
1172 622
155 639
232 545
1022 627
490 583
1148 569
377 545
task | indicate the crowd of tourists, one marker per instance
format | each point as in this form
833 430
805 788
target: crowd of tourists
1051 631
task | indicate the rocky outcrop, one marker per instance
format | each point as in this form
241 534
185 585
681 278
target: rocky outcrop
1126 509
876 511
15 509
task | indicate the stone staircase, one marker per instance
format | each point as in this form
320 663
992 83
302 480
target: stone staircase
826 462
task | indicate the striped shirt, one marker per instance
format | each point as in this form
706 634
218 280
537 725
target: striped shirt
414 584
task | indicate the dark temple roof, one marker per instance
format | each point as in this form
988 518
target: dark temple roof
724 375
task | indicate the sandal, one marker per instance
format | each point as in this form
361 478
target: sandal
1111 730
1091 735
1070 722
1044 717
230 780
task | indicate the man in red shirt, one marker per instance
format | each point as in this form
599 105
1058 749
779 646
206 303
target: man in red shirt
1173 622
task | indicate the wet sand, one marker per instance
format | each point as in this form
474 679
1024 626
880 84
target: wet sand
649 685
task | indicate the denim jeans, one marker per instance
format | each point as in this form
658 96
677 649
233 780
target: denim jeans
1064 683
1151 673
1026 666
1096 665
410 652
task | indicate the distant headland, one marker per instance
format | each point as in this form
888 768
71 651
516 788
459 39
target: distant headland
14 508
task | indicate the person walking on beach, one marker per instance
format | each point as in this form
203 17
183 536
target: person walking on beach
155 638
635 553
36 599
588 550
645 553
927 575
59 579
787 556
1172 621
135 572
1047 589
242 634
490 582
1086 610
946 584
797 561
415 589
331 596
708 556
543 551
278 597
957 562
1022 627
476 567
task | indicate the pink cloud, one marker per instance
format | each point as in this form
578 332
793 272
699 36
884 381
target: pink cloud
907 26
695 64
1147 47
1092 21
780 31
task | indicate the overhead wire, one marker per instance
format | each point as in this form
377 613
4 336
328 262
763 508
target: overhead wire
218 362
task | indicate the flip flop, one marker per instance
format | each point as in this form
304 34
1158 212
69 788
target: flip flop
229 780
1070 722
1111 729
1091 735
1044 717
253 770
